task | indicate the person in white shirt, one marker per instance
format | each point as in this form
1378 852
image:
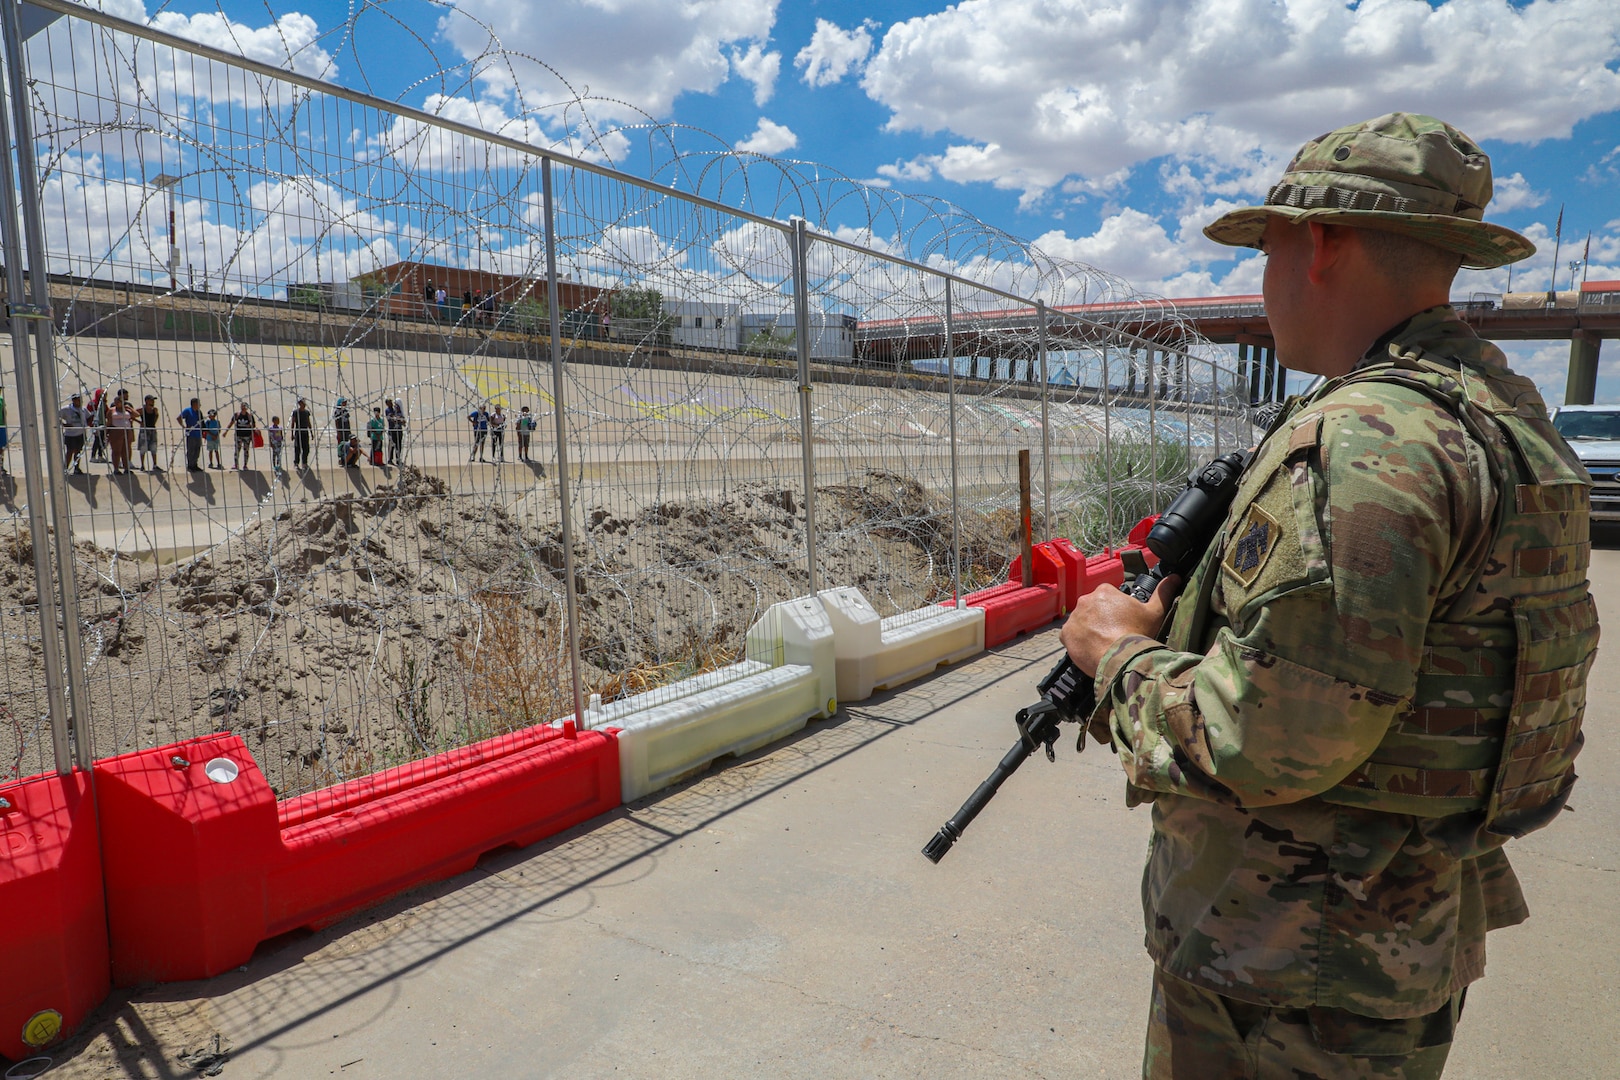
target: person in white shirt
75 419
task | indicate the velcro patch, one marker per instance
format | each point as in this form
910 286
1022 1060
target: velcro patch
1251 545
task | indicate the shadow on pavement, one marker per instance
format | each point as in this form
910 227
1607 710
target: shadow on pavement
300 976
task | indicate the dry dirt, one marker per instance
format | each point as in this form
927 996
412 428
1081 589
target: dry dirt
359 632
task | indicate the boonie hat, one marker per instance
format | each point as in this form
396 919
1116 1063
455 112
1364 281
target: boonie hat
1402 173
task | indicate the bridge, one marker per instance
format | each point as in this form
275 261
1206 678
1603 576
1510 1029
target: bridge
1583 317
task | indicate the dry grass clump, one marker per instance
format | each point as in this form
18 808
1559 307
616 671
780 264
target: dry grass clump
511 667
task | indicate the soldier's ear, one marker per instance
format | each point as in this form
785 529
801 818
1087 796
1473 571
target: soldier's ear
1329 246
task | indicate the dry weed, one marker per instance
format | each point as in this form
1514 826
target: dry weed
510 667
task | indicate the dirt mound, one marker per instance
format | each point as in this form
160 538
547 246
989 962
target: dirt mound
347 635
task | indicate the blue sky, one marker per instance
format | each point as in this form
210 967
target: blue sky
1107 131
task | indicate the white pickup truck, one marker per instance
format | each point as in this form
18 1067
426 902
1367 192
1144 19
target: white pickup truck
1594 433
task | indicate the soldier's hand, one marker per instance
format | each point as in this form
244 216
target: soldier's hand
1105 615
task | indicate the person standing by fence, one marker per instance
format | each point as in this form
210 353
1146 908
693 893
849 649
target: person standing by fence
302 429
479 418
120 432
245 426
5 436
211 430
525 432
497 434
191 422
375 428
96 421
75 419
276 436
340 420
147 439
395 414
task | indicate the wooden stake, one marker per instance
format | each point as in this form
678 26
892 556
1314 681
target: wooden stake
1025 533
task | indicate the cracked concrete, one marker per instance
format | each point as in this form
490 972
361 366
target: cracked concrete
775 918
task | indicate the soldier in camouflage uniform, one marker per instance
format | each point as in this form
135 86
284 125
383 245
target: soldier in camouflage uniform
1376 676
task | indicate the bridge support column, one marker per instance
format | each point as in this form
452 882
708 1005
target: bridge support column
1583 368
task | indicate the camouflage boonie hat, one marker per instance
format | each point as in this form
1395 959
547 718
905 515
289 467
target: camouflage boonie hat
1402 173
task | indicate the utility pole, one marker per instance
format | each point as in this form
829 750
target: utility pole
165 182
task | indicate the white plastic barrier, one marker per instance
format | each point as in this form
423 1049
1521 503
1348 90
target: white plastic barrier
675 731
876 654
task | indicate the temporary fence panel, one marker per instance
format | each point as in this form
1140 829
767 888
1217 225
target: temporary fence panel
744 382
684 440
363 594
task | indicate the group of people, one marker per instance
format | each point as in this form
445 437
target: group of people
386 426
488 423
115 428
477 305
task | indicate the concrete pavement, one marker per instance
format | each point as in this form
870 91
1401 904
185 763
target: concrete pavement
775 918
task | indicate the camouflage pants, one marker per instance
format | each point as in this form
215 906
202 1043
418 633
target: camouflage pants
1196 1034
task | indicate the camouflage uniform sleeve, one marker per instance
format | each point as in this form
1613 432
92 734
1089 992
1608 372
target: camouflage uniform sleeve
1321 593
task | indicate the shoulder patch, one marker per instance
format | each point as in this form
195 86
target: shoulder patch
1251 545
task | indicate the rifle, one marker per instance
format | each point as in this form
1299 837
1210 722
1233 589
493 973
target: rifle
1180 537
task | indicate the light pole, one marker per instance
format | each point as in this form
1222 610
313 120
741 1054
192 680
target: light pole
166 182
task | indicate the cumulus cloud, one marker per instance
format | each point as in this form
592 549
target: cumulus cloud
919 170
834 52
758 67
1514 193
769 138
641 54
1041 90
289 42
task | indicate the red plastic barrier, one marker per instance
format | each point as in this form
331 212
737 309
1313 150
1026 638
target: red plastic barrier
1139 532
1011 609
1075 583
53 950
200 867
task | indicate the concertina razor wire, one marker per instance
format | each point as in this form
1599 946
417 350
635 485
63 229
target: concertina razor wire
246 234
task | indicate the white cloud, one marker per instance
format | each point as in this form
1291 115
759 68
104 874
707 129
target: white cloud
834 52
769 138
289 42
919 170
760 68
630 56
1037 91
417 145
1514 193
1129 243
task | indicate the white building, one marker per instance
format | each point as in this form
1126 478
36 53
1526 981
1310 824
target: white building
699 324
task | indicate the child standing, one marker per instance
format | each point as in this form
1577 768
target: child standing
525 430
275 435
211 437
497 434
375 428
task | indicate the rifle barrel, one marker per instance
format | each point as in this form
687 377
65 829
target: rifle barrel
952 830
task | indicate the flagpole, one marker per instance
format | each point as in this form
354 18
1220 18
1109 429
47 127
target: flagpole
1586 258
1558 243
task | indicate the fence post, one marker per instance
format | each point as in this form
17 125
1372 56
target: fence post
1046 427
38 313
559 410
1185 391
956 508
1108 451
1153 425
1215 401
27 420
801 323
